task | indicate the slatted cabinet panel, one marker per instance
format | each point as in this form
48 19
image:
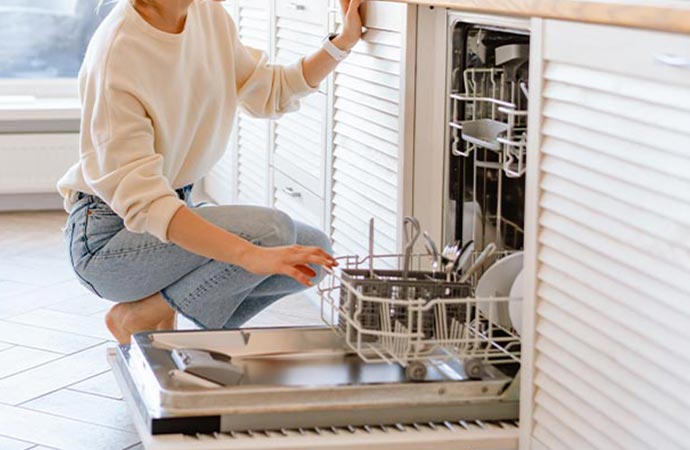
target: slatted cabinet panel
367 139
612 324
300 137
221 182
253 135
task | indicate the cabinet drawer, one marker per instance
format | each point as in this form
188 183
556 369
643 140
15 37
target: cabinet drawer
294 199
312 11
639 53
383 15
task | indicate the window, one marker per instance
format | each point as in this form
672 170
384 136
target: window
42 42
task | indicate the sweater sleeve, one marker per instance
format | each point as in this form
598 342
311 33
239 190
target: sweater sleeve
266 90
122 167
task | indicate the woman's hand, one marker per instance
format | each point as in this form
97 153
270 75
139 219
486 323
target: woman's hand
291 261
352 25
317 66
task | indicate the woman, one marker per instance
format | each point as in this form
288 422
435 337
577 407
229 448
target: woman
160 86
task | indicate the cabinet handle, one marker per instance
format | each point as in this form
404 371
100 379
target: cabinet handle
297 6
292 192
679 61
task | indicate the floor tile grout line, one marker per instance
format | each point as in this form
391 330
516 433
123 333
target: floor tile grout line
71 386
73 389
71 418
56 329
34 348
48 306
11 346
20 440
22 403
54 360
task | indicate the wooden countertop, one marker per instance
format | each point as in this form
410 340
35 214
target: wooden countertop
662 15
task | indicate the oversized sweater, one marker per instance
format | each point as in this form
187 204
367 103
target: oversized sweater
158 108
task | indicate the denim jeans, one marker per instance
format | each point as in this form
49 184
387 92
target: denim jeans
122 266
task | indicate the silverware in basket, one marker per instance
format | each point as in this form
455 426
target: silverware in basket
412 230
433 250
488 251
450 254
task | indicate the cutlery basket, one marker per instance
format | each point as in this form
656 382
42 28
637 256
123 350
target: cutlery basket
415 319
393 285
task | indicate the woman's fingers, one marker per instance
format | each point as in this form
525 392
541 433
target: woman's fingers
354 6
295 273
326 258
316 259
308 271
344 5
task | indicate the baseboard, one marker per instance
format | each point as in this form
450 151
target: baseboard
30 202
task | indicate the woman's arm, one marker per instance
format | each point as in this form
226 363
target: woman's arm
317 66
268 90
191 232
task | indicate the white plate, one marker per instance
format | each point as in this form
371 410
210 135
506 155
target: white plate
515 307
497 282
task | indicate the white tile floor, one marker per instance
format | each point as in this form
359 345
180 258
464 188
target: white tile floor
56 389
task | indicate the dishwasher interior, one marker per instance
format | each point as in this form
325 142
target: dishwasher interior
487 135
401 351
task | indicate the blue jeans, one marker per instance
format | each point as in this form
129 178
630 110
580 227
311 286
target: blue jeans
122 266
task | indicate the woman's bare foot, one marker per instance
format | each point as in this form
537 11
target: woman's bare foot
168 324
125 319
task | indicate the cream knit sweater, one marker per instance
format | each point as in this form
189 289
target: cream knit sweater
158 108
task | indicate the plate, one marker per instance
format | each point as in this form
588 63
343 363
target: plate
515 307
497 281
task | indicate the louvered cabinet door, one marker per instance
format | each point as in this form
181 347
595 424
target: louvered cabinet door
607 362
253 135
300 137
220 183
367 138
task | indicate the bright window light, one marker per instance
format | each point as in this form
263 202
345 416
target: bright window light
46 39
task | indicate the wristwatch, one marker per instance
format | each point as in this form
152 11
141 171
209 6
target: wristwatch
332 49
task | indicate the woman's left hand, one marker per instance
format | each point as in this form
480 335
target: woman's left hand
352 25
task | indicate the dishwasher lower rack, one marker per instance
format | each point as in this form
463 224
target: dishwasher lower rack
417 318
299 379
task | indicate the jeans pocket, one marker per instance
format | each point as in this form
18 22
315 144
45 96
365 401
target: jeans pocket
100 227
78 254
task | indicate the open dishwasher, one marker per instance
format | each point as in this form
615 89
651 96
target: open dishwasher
410 356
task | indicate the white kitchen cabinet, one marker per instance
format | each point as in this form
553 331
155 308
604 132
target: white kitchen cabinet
297 201
253 144
346 145
300 137
606 310
368 135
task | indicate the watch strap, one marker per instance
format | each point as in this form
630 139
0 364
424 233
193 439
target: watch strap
333 50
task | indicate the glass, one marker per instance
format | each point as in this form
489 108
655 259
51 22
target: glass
44 39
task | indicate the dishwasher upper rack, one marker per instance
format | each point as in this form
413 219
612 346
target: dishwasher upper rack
463 328
495 118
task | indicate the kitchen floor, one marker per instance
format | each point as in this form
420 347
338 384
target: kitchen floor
56 389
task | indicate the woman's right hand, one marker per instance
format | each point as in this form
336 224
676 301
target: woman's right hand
291 261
